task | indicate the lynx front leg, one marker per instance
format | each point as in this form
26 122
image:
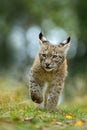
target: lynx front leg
53 97
35 90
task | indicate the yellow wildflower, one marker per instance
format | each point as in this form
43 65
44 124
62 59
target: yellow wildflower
69 117
79 123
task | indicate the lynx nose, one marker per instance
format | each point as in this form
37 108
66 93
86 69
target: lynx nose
47 65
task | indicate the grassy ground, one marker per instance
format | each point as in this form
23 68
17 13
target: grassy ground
18 113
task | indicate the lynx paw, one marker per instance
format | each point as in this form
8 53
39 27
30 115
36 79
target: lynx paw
36 98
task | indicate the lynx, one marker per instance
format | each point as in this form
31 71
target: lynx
49 69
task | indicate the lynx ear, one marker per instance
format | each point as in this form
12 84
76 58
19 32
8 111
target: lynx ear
65 45
42 38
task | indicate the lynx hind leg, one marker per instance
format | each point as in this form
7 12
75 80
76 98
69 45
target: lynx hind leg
53 97
52 102
35 91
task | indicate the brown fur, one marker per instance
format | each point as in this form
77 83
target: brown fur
50 66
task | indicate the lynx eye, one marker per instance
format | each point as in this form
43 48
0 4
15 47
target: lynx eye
60 56
57 56
54 56
44 55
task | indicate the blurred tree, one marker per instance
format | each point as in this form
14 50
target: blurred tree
25 13
79 63
66 14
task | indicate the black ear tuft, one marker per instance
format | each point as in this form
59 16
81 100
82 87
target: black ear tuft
40 36
68 39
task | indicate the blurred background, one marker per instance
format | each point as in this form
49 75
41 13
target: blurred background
20 23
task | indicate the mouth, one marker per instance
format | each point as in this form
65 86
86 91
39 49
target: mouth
48 69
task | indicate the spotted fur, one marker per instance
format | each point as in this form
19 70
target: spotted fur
50 66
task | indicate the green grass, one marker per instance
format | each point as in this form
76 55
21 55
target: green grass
21 116
17 112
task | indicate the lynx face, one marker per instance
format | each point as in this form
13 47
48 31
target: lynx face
52 56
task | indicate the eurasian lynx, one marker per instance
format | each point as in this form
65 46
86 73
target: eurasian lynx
49 68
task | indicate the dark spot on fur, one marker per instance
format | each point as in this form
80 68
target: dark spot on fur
59 84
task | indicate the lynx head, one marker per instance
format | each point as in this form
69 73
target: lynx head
52 56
